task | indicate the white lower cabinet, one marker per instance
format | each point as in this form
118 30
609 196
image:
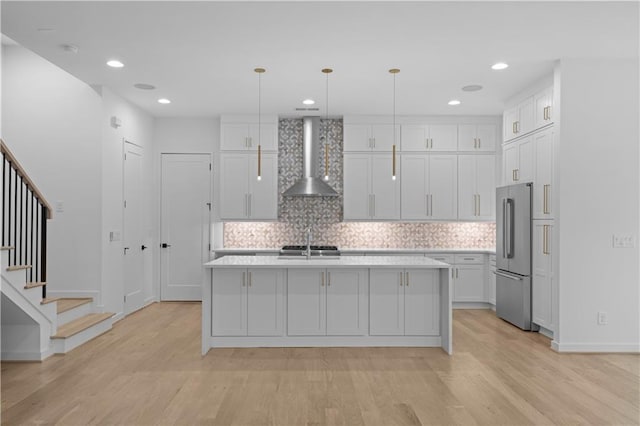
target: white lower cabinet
326 302
247 302
542 282
491 280
404 302
468 283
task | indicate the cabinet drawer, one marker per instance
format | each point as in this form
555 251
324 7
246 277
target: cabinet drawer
446 258
469 259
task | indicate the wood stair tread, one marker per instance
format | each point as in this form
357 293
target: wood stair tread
34 284
76 326
49 300
18 267
66 304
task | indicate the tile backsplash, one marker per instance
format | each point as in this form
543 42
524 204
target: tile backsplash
325 214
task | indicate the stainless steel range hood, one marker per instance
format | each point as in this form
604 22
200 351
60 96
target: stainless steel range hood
311 185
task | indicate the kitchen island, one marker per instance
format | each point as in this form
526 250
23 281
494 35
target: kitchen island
266 301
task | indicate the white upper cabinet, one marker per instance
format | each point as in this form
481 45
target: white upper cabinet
543 102
370 137
476 187
370 192
433 137
518 161
242 195
543 183
477 137
238 133
429 187
519 120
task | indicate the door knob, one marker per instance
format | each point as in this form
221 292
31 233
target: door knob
143 247
165 245
125 250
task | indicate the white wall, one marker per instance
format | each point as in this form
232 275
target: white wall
598 188
137 127
51 122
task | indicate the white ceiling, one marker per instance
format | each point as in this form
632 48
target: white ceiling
201 55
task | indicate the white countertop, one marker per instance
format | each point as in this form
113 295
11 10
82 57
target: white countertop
366 250
342 262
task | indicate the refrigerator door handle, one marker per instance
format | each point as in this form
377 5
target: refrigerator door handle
509 224
511 277
504 228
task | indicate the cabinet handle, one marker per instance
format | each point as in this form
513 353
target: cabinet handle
479 143
546 199
249 204
452 272
328 279
406 279
478 211
246 205
457 272
374 142
374 205
250 278
431 143
393 162
244 279
321 279
545 243
400 279
430 204
513 175
475 142
513 128
426 204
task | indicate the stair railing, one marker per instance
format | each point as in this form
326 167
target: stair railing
24 221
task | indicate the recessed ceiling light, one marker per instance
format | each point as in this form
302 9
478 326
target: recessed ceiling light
308 102
164 101
499 66
472 88
454 102
115 63
144 86
70 48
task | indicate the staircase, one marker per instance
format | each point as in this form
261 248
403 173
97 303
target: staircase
34 326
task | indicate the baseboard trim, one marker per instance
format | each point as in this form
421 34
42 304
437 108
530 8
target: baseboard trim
25 356
545 332
595 347
471 305
117 317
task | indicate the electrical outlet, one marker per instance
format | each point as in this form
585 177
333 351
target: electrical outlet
59 206
602 318
624 241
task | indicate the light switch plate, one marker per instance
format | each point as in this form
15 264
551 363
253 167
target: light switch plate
59 206
624 241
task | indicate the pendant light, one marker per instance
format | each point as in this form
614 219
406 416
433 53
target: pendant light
326 72
259 71
394 71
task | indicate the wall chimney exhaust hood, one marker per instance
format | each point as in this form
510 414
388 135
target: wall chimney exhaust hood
311 185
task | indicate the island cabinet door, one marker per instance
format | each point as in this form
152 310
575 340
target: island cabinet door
265 302
386 302
421 302
306 302
229 302
346 302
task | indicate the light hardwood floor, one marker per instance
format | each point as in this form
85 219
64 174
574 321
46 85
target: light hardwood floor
148 370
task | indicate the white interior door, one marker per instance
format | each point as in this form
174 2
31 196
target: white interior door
133 234
185 230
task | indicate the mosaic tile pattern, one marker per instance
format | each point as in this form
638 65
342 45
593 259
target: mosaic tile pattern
297 213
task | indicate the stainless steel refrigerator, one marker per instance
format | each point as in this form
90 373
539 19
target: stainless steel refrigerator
513 254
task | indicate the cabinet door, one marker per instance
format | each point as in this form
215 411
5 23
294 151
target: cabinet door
443 186
492 285
421 302
357 191
510 159
542 283
268 137
487 136
357 137
510 123
526 116
234 136
413 184
468 284
467 138
306 302
443 137
414 138
467 183
385 190
265 302
346 302
229 302
486 186
234 186
386 302
543 180
383 137
542 102
526 160
263 193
